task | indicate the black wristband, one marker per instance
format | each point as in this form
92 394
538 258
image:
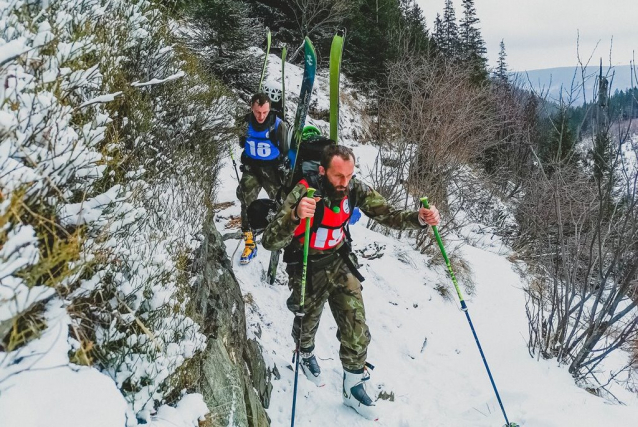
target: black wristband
293 212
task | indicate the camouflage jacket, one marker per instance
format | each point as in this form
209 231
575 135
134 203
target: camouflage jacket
280 231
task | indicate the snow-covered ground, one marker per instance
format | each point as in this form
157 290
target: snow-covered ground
53 127
422 345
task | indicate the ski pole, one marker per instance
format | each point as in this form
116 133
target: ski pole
424 202
232 157
300 314
263 69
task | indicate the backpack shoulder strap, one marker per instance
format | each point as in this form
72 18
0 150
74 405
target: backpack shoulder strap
316 222
352 201
352 197
272 131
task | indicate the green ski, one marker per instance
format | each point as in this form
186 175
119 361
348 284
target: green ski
263 68
336 51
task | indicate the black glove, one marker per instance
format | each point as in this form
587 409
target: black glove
242 141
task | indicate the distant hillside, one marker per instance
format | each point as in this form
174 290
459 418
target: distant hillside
551 80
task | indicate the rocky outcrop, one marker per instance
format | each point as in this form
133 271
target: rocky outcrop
234 379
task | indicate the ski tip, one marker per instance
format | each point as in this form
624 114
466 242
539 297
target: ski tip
309 43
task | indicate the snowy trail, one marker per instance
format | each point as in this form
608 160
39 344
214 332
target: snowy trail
441 383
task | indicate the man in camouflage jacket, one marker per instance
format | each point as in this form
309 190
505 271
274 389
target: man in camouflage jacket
331 276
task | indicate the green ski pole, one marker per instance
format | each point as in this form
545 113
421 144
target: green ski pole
300 314
306 244
263 68
424 202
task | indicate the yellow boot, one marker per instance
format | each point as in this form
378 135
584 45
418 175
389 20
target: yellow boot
250 251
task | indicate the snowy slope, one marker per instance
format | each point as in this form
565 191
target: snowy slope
422 345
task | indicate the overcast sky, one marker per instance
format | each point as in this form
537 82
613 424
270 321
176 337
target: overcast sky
545 33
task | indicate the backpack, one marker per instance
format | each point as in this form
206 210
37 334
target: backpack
308 157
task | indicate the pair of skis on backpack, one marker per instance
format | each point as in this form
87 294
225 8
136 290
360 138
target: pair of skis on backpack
310 68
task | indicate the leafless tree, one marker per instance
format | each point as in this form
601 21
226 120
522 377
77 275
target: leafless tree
316 16
508 161
579 227
435 121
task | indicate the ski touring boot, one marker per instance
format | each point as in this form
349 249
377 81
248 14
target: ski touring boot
356 396
250 250
310 367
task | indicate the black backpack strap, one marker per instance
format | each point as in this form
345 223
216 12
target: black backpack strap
352 201
344 252
272 133
319 211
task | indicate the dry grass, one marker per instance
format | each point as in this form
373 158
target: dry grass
218 207
445 292
234 222
26 326
58 249
249 299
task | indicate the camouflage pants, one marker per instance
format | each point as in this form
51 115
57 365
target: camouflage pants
342 290
251 183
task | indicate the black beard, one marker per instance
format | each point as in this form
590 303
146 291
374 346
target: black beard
331 192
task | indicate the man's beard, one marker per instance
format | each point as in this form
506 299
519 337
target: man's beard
333 192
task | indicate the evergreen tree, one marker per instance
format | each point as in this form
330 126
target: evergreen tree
472 47
438 31
225 33
558 147
603 149
368 46
278 16
450 42
501 73
414 32
471 39
411 37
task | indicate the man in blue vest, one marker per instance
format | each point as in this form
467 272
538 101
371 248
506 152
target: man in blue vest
264 162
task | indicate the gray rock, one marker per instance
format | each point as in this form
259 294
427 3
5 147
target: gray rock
233 376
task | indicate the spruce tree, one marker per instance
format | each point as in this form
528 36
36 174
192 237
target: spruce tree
414 36
225 33
368 45
559 146
450 42
438 32
472 46
501 73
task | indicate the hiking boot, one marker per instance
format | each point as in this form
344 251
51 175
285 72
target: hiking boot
250 251
356 396
310 368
